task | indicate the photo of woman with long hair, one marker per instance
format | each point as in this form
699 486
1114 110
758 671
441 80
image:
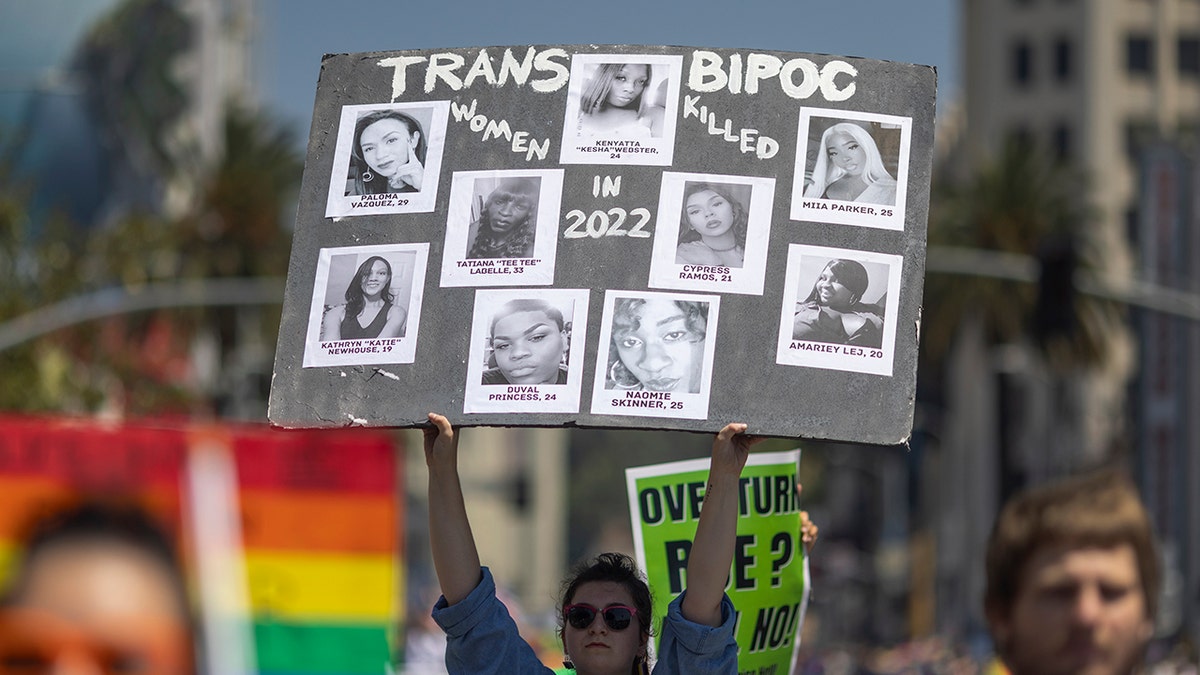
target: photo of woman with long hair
849 167
713 226
370 310
507 221
387 154
616 104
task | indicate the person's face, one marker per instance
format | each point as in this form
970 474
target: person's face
598 648
845 152
506 211
386 145
663 354
528 347
96 609
627 85
1077 610
376 279
709 213
831 292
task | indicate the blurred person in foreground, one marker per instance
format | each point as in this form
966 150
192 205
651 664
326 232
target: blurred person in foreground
97 591
1072 578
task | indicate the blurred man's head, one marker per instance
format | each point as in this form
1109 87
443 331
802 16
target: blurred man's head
1072 578
98 591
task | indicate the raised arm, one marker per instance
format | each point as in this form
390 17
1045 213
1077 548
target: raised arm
454 555
716 533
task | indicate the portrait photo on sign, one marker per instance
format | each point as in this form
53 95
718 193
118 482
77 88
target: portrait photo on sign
502 228
621 109
388 158
526 350
851 168
366 305
839 309
656 354
712 233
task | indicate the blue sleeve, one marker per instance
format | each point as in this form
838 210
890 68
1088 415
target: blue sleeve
482 638
688 648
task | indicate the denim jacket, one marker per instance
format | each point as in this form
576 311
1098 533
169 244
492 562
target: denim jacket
482 638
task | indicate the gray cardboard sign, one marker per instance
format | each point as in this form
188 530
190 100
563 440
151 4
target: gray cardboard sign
610 236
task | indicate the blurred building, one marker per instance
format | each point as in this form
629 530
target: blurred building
515 488
1167 388
39 101
1094 84
1091 82
124 103
114 111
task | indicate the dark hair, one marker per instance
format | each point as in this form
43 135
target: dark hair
527 305
617 568
354 294
740 218
626 320
595 92
95 521
849 273
376 186
1100 509
517 242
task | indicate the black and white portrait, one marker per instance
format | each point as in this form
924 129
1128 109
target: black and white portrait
851 168
523 355
501 228
839 309
388 158
366 305
713 223
712 233
656 354
504 217
621 109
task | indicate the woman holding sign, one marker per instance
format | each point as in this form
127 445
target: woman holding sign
850 168
606 608
834 312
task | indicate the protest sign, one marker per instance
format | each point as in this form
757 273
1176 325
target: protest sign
769 580
610 236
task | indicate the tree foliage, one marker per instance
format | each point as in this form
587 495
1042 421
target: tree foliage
1019 203
141 363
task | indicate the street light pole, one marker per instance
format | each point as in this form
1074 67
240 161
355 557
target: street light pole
114 301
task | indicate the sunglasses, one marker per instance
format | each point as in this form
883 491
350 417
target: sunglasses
617 617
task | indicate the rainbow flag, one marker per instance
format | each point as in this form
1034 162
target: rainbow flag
318 525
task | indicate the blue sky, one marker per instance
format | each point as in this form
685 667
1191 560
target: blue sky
296 33
36 35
